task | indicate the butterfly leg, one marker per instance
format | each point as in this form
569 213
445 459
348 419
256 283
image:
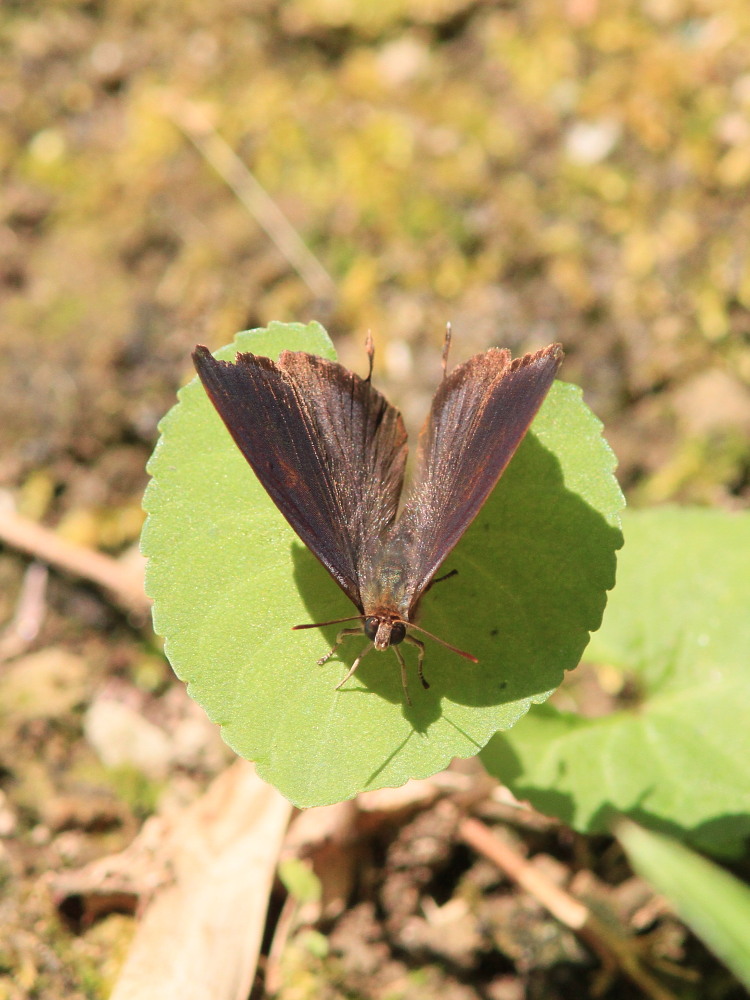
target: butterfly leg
402 664
343 634
439 579
357 662
420 658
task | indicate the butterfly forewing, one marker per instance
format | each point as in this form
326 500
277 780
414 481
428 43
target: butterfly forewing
328 448
479 416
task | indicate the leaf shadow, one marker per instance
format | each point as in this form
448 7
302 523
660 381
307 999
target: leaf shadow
724 835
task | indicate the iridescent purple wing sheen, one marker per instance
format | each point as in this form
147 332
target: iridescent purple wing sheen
479 415
327 447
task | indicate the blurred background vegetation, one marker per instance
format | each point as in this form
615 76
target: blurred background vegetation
530 171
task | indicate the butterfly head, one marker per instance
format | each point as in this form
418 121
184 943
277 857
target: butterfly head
384 629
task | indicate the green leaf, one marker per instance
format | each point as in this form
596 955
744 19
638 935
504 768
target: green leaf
229 578
712 903
679 759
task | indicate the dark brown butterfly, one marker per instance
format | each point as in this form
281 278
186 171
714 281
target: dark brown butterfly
330 451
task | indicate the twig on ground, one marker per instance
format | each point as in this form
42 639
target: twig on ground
615 950
124 584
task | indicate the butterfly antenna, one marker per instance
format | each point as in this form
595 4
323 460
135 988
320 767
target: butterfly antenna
446 347
370 348
453 649
333 621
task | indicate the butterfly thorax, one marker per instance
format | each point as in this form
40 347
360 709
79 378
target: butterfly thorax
385 587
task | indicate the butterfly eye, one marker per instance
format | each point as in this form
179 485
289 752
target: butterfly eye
392 636
398 633
371 626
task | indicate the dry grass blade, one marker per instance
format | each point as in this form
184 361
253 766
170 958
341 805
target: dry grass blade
254 197
30 610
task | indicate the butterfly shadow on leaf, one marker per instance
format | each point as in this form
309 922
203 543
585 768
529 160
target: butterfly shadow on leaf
533 571
379 672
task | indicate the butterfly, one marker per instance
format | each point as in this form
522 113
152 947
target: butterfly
330 451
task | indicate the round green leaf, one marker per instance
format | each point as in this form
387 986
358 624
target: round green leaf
678 760
229 578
